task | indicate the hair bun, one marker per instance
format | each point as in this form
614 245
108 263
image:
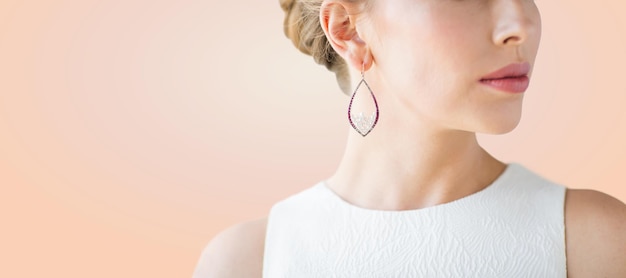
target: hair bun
293 23
286 4
302 27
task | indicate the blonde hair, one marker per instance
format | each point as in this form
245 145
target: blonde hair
302 26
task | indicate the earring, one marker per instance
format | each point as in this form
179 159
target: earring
363 124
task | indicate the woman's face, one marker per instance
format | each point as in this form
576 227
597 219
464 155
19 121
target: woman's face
431 54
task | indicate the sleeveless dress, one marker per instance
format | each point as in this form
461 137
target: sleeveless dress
512 228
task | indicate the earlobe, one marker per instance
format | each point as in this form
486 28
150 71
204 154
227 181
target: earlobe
340 29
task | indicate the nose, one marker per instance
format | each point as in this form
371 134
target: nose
514 22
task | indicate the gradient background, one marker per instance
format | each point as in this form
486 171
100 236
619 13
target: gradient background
132 132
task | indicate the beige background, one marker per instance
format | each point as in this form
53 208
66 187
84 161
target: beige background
132 131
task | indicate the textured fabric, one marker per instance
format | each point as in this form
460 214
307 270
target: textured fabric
512 228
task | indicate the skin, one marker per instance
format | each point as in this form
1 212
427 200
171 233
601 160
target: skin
423 60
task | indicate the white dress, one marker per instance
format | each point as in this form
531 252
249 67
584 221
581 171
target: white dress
512 228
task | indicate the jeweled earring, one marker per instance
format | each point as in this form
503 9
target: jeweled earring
363 124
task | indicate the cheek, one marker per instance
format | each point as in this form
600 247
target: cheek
425 60
426 47
418 80
459 41
421 60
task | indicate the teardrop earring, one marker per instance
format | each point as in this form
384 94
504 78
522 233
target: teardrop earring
363 124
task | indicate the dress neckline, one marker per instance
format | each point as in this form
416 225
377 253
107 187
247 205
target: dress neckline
501 179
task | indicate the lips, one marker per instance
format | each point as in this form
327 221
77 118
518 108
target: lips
512 78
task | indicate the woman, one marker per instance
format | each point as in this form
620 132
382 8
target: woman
415 195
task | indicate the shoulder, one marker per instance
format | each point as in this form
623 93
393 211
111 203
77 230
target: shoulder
595 234
235 252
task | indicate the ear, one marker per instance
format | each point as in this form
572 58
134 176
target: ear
339 25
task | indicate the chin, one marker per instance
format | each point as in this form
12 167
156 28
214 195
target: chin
500 119
502 126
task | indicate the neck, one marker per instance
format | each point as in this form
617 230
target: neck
389 170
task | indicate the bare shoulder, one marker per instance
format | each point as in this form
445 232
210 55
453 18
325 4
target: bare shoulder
235 252
595 234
